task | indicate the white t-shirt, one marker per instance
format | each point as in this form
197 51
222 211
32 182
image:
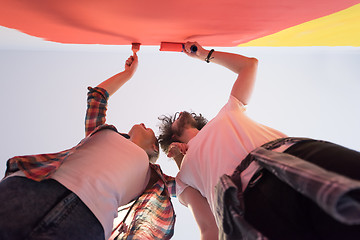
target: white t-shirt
106 172
220 147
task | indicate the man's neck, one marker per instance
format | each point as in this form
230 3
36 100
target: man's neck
188 134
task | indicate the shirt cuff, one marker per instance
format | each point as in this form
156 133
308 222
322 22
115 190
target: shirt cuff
99 90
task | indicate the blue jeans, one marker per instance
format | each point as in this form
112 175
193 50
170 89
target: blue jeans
44 210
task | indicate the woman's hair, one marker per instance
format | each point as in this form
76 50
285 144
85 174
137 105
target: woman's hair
166 133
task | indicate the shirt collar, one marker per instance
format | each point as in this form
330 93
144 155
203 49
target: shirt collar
127 136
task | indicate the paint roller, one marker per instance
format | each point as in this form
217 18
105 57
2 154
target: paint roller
135 47
176 47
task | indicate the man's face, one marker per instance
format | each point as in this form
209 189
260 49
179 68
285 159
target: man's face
142 136
183 121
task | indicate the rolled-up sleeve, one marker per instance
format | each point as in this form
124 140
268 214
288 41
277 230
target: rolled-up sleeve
96 109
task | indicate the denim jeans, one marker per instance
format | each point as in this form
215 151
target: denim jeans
44 210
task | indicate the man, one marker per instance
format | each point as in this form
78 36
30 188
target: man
75 194
253 199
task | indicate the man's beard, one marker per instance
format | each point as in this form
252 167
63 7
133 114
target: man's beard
185 119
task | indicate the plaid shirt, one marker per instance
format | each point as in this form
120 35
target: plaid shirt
331 191
153 216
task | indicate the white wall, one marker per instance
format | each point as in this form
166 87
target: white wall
312 92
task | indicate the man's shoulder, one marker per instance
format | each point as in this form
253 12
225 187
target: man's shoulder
102 127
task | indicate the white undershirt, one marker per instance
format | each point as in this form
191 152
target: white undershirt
220 147
106 172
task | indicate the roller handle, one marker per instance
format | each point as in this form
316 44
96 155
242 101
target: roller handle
193 48
135 47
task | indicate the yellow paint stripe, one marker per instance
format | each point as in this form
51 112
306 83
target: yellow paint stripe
338 29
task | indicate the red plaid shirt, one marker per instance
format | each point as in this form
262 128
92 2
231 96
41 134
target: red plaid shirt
153 216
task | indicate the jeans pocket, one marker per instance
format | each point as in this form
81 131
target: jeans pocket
56 215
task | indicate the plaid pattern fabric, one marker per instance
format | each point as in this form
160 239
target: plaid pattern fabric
331 191
96 109
153 216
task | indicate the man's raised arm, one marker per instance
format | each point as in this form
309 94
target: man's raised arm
245 68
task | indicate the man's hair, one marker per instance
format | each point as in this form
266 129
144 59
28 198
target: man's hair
154 155
166 133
